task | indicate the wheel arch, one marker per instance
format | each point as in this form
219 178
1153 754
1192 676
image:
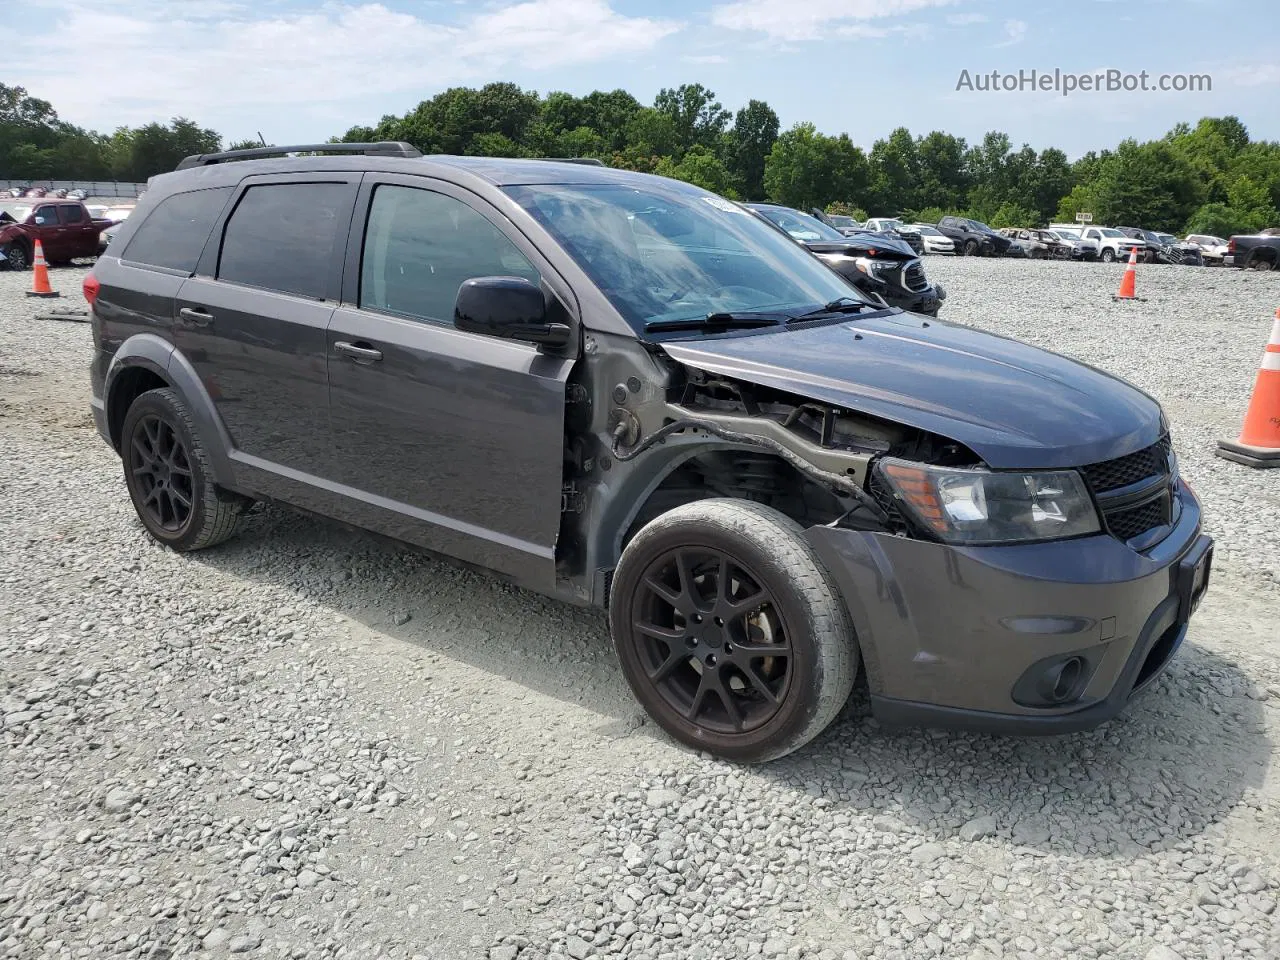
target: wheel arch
148 362
664 487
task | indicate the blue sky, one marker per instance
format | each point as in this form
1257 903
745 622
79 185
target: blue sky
300 72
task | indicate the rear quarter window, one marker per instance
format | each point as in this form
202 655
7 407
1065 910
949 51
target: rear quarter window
282 237
174 233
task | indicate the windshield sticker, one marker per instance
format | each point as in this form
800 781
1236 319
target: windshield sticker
720 203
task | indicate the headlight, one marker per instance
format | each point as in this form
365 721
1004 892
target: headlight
981 506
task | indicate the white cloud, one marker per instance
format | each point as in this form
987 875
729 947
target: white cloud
807 20
964 19
150 63
1254 75
705 58
1015 31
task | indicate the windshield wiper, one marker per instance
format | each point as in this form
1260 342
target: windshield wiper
724 320
840 305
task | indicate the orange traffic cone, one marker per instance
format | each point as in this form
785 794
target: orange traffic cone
1259 441
40 281
1129 282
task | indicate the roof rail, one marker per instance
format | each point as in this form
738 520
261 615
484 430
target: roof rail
386 148
589 161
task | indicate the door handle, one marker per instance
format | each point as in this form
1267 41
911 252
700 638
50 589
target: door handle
196 316
359 352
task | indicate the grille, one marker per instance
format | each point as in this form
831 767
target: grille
1122 471
1127 524
914 277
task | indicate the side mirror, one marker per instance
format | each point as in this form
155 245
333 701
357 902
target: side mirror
507 307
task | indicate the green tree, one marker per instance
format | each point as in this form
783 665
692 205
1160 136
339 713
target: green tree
156 148
845 209
696 115
894 173
1150 185
701 167
943 177
755 128
808 169
1013 215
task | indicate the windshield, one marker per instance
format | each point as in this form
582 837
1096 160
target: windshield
842 221
671 252
800 225
1110 232
928 231
981 227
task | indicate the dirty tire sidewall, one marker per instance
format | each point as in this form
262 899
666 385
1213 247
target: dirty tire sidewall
772 549
1108 256
970 248
214 514
16 257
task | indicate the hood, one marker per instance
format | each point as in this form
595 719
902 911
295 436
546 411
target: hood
859 243
1012 404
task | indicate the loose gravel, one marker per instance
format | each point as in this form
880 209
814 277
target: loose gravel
307 743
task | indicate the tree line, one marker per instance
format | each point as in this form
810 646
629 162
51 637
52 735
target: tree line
1207 178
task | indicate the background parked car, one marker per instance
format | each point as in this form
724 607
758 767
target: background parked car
1258 251
1078 247
1212 249
875 263
934 240
1188 254
896 227
63 227
974 238
117 216
1112 244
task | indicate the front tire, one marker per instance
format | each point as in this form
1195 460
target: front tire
16 256
971 248
168 475
730 631
1108 255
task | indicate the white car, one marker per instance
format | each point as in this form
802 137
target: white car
117 216
1081 249
1213 249
935 241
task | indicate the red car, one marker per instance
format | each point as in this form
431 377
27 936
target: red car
63 227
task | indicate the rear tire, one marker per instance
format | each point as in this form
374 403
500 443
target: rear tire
168 475
1260 263
730 631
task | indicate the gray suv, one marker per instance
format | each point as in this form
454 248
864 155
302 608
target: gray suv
621 390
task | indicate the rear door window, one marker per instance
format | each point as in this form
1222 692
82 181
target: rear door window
174 233
72 213
282 237
419 248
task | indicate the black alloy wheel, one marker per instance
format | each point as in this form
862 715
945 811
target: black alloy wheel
711 640
161 468
730 631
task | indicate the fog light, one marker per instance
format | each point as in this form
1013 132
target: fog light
1058 680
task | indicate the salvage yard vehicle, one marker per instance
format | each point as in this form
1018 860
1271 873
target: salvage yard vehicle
1258 251
1112 244
895 227
933 239
622 390
875 263
1073 236
64 228
974 238
1212 249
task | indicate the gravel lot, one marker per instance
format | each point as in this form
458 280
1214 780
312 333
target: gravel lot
310 744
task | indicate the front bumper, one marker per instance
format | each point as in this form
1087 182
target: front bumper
957 636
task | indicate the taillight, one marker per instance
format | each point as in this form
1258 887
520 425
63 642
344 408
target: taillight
1231 245
90 287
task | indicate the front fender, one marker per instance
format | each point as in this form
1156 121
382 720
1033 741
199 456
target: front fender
154 353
